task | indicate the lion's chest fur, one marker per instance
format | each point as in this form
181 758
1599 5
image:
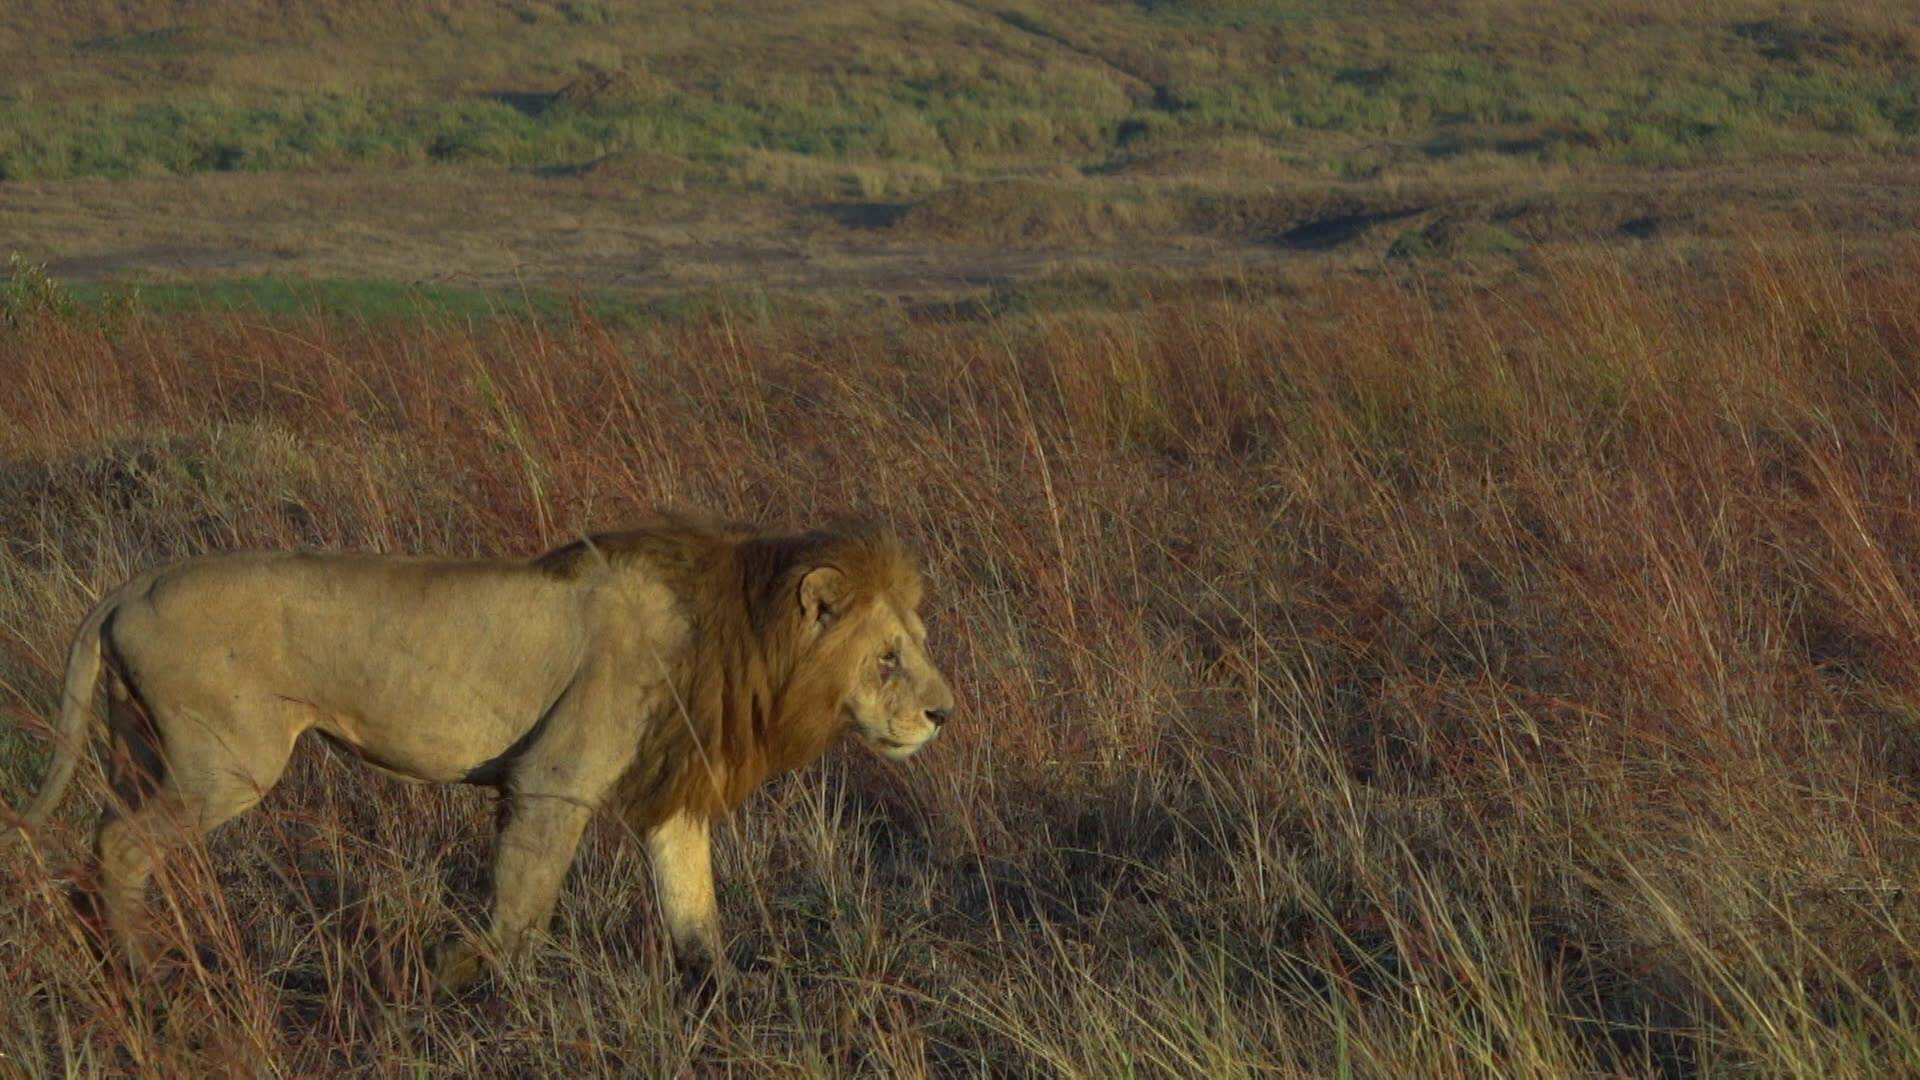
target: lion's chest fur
433 669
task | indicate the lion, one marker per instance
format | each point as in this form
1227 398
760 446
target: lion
662 672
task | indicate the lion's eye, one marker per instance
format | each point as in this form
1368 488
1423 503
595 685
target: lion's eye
889 661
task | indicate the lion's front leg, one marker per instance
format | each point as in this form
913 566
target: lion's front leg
536 848
681 851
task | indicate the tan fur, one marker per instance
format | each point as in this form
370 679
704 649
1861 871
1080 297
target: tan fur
667 670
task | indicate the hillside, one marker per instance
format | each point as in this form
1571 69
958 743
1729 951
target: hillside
953 86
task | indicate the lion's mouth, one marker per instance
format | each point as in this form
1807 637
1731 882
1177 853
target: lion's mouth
883 739
896 749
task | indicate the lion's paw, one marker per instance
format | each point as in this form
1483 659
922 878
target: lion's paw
458 965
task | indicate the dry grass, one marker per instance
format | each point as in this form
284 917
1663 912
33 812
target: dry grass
1395 679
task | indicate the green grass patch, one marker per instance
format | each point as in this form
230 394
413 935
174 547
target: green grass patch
353 298
192 135
377 300
1024 89
163 42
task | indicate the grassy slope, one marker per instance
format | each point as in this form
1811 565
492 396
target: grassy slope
1427 682
957 87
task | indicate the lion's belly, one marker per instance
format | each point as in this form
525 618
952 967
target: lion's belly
438 720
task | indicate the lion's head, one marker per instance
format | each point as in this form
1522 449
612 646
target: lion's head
861 650
859 621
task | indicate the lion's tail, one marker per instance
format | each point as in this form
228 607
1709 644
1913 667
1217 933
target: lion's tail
76 707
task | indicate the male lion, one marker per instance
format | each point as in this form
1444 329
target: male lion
666 671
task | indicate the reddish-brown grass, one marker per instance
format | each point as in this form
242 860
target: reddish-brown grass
1394 678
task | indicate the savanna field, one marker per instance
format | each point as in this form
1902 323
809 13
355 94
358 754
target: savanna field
1418 505
1386 678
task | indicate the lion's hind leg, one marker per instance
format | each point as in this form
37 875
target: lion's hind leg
123 856
175 779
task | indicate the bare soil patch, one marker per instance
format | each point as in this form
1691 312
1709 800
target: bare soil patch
645 225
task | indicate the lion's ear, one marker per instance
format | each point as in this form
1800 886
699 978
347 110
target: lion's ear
822 593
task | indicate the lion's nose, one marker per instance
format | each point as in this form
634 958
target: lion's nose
939 716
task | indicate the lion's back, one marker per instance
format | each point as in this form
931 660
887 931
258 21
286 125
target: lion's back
360 636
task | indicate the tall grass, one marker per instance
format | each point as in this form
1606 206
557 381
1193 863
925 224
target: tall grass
1387 679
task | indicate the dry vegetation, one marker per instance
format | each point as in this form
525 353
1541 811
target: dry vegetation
1390 678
